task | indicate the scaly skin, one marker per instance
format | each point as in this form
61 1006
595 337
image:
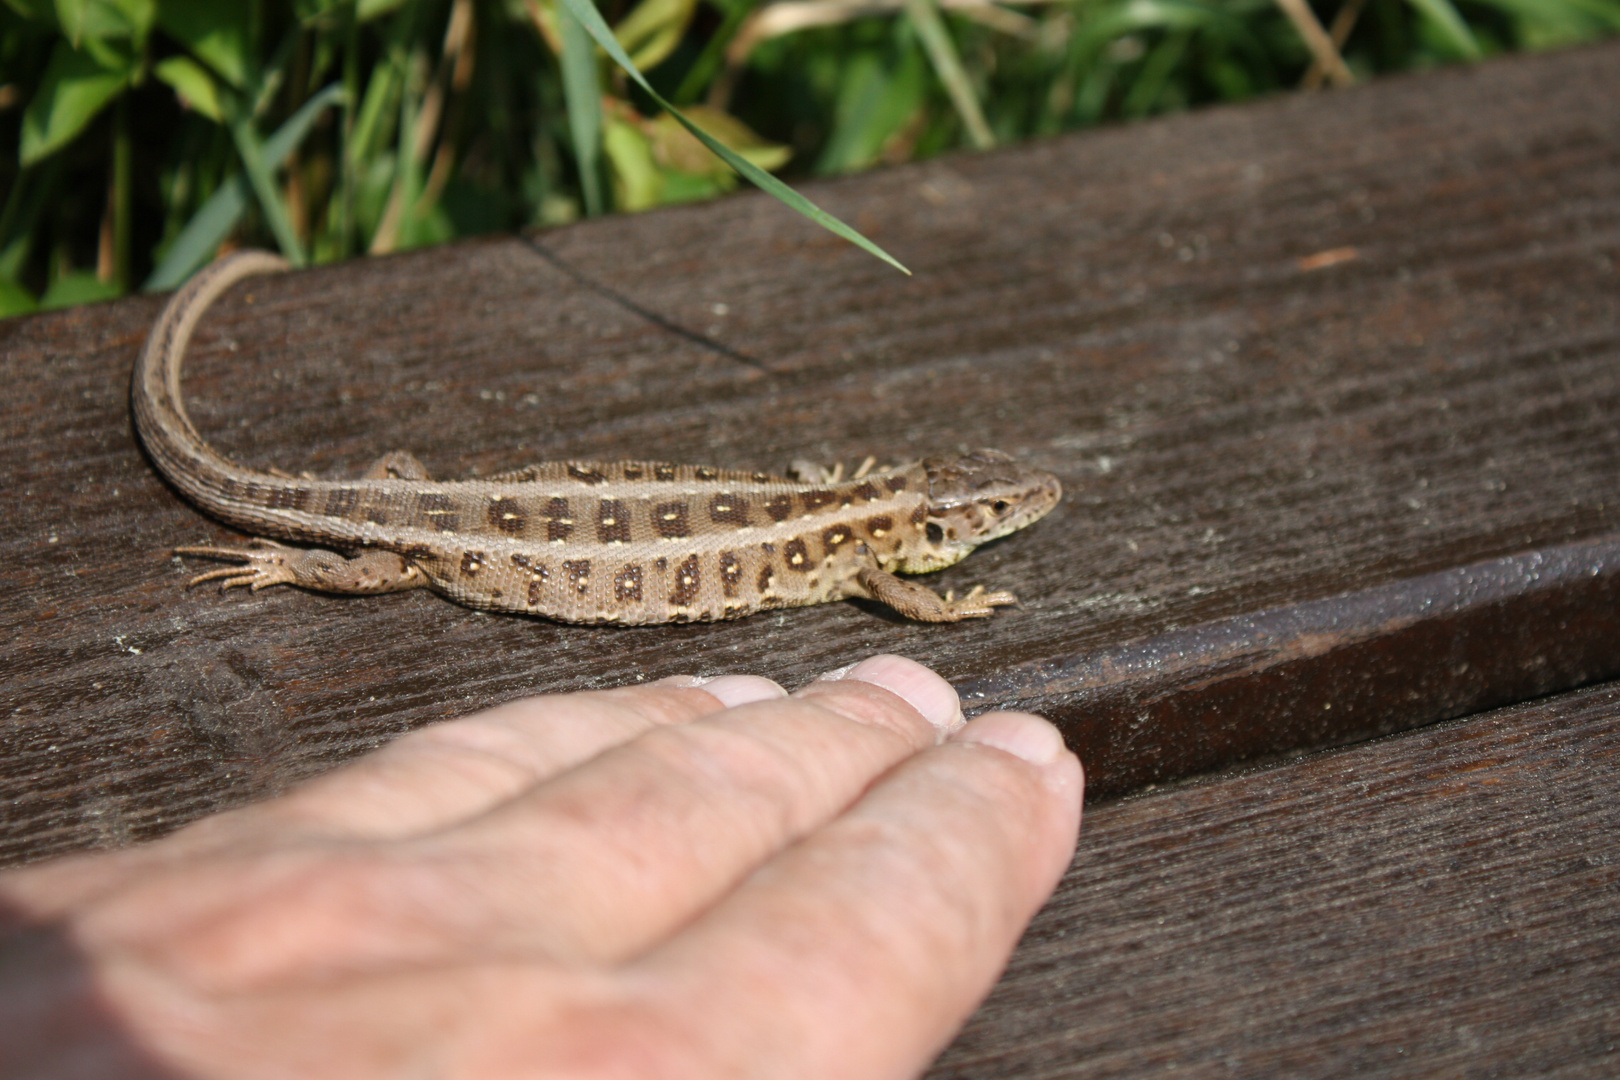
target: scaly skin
629 542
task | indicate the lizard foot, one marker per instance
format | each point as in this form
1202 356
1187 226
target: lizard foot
266 564
914 601
808 472
978 603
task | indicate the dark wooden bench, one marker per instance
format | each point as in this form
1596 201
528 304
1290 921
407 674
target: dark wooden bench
1333 382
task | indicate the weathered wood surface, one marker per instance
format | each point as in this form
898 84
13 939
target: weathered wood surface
1310 497
1442 903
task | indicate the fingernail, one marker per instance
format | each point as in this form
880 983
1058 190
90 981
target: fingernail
732 690
683 680
920 688
1020 734
735 690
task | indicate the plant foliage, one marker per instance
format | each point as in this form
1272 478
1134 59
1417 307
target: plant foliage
149 134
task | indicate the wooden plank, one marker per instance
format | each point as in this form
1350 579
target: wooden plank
1248 429
1439 903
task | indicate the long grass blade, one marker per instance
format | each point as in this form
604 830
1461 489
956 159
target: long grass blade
936 39
582 94
592 21
709 61
261 177
1444 18
211 224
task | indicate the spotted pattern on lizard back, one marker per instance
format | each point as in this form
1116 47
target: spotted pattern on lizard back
629 542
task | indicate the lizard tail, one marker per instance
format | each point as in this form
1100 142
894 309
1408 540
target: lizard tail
160 412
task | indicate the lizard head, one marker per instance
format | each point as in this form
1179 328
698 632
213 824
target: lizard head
973 498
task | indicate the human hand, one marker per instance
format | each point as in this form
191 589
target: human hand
683 879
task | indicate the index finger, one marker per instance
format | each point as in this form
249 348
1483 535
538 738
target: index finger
437 776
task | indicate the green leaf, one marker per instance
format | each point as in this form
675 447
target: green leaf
81 287
591 19
90 20
1443 18
1546 24
193 84
371 9
214 32
41 11
638 185
74 89
210 225
15 299
657 162
582 90
875 100
651 31
674 148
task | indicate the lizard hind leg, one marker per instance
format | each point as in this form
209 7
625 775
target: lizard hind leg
394 465
917 602
266 563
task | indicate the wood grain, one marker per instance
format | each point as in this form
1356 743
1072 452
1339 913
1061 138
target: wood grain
1441 903
1382 481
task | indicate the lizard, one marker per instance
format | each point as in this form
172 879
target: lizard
627 542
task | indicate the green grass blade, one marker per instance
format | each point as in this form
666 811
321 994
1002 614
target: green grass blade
210 225
1604 12
592 21
1155 74
1444 18
262 179
936 39
15 300
582 92
79 287
1573 20
707 65
875 100
201 237
32 191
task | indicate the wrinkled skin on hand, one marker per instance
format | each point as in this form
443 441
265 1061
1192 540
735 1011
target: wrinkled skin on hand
684 879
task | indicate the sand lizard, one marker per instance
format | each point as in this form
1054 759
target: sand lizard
630 542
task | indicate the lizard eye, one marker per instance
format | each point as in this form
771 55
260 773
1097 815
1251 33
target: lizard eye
999 507
935 533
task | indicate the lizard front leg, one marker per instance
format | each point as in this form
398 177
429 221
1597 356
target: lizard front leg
808 472
267 563
915 601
